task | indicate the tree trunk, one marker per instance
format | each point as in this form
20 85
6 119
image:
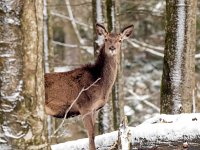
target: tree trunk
179 64
117 90
104 115
22 90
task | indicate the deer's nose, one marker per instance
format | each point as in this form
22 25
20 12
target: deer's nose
112 48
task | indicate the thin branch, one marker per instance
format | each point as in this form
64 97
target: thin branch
69 9
150 48
145 48
89 49
80 4
158 48
68 18
143 99
79 94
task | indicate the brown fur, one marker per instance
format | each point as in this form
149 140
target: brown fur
61 89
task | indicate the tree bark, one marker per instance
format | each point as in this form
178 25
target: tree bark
22 90
179 62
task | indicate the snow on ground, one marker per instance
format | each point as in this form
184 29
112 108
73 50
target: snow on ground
102 141
168 128
161 127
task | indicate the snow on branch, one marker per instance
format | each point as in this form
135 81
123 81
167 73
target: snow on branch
161 131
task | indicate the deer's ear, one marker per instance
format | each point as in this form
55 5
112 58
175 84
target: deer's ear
101 30
126 32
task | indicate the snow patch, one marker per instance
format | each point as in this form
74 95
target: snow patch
128 111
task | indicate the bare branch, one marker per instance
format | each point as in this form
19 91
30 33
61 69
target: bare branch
89 49
143 99
79 94
68 18
150 48
152 51
143 44
69 9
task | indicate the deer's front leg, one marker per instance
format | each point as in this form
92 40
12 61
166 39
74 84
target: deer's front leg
89 123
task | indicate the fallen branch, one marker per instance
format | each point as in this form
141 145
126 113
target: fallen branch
162 131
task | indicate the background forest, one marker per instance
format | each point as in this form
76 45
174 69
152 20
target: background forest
69 41
142 54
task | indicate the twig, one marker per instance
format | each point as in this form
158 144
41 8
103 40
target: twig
79 94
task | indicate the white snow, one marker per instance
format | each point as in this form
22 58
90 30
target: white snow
176 72
102 141
162 127
62 69
168 127
128 111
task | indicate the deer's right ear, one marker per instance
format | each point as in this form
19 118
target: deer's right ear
101 30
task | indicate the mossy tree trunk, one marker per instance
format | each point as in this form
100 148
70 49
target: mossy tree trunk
178 80
22 91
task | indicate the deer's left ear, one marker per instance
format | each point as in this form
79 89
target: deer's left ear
126 32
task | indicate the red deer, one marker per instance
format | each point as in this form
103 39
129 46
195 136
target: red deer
61 89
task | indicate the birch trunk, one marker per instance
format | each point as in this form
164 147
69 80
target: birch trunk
179 63
22 91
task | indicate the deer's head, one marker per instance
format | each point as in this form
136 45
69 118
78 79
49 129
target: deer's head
113 41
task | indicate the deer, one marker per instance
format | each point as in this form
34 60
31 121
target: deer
61 89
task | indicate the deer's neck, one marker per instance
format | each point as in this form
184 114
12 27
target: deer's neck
107 68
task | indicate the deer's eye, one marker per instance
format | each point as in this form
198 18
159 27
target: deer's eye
120 41
106 39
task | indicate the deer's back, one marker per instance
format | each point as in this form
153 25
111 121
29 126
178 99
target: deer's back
65 86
